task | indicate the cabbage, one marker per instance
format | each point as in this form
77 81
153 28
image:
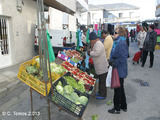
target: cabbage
74 97
68 97
59 89
31 70
80 87
68 89
83 100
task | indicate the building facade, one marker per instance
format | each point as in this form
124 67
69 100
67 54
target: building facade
17 26
120 13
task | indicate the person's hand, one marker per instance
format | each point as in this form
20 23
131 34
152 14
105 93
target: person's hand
88 53
111 63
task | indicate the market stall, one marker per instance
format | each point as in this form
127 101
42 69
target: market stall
59 79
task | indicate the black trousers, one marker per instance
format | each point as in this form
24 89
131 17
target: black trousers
102 85
145 54
119 97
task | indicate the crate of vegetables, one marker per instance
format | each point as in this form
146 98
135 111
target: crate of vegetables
32 77
56 70
73 61
69 99
78 84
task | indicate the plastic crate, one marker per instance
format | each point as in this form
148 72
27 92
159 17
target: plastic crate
31 80
61 56
87 87
69 106
54 76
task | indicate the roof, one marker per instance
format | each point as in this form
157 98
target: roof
95 7
118 6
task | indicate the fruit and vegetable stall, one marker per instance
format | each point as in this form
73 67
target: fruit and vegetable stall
70 88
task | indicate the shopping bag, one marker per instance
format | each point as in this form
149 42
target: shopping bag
115 82
109 77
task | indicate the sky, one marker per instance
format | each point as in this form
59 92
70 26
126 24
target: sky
147 7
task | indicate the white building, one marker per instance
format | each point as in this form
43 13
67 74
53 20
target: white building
17 26
119 13
157 12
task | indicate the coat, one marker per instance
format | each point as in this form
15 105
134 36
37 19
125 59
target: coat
141 37
119 56
99 58
149 45
108 42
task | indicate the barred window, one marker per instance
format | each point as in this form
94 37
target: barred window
3 36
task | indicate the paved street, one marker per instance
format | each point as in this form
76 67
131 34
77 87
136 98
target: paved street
143 101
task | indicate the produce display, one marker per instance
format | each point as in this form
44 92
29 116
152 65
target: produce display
78 74
68 92
75 60
80 86
72 87
74 53
56 71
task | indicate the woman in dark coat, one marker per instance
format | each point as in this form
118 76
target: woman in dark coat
118 56
149 45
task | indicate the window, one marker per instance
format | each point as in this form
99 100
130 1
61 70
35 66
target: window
3 36
94 16
120 15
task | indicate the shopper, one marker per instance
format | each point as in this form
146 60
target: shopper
131 35
100 63
108 43
119 55
141 37
149 45
127 40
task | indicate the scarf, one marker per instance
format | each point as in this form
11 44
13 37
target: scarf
116 41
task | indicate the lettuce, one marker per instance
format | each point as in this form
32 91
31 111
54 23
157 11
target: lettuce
68 89
83 100
59 89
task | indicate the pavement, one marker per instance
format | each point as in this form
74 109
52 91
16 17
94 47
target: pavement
143 101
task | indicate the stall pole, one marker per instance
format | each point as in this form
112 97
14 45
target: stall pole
42 47
31 103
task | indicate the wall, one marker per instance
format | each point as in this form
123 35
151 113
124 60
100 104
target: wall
21 28
99 15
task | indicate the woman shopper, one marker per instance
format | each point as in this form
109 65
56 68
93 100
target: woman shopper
149 45
100 63
119 55
141 37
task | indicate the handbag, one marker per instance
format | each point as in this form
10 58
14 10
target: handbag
115 82
109 77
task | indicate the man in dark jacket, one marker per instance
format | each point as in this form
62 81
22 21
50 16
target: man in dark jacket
149 45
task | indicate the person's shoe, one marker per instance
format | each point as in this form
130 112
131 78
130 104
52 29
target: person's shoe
142 65
97 94
137 62
150 66
113 111
125 110
100 98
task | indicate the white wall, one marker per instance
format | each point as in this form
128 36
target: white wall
95 20
21 28
126 13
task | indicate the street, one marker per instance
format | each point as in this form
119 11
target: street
143 101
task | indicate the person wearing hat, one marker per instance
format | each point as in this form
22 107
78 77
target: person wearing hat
100 64
149 45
